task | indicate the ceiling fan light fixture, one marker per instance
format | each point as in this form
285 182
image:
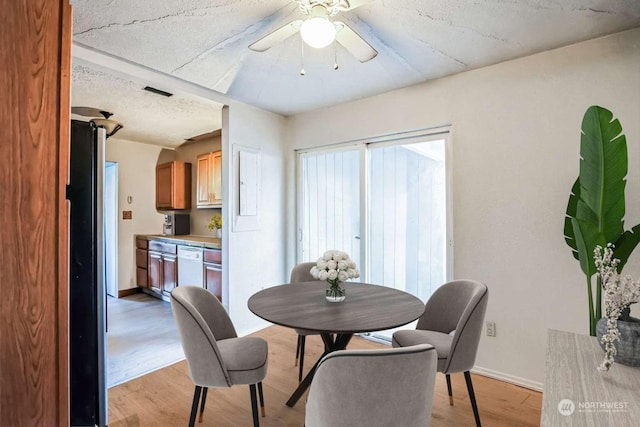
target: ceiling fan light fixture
318 31
110 126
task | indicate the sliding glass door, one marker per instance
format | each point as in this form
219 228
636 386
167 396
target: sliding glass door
386 204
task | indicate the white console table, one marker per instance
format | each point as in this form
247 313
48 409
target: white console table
598 398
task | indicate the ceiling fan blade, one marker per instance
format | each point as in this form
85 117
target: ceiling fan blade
87 111
356 45
204 136
357 3
278 36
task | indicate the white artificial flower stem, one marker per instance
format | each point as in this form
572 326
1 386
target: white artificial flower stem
619 294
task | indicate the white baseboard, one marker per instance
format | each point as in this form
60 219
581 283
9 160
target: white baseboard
501 376
243 332
522 382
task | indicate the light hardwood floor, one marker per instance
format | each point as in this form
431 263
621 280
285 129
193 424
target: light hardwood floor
142 337
163 398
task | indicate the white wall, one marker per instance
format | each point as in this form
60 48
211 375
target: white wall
189 153
136 178
516 133
254 259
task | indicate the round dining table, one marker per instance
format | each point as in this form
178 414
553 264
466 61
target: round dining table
367 308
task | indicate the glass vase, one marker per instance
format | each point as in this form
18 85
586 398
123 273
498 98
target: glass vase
335 291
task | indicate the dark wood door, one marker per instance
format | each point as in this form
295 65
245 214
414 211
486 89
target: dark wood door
169 273
213 279
155 271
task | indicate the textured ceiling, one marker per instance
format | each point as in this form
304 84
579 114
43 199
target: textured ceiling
146 117
205 42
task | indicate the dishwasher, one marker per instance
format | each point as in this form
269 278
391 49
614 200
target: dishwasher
190 266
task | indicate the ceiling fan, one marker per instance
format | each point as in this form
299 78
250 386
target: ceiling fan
110 126
318 30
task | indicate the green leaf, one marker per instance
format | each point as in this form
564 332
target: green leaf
603 168
625 245
572 206
587 238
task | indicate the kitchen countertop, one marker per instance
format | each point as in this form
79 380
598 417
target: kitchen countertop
188 240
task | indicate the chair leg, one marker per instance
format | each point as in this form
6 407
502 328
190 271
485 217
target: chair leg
449 389
472 396
204 399
261 397
302 343
298 349
254 405
194 406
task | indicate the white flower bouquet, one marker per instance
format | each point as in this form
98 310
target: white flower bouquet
335 267
619 293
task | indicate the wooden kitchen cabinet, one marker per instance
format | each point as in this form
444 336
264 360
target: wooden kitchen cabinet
141 258
155 271
202 180
209 180
142 262
173 185
162 267
169 273
216 173
213 279
142 277
213 272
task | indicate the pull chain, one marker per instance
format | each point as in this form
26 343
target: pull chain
335 55
302 72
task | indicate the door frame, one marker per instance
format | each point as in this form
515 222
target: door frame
111 233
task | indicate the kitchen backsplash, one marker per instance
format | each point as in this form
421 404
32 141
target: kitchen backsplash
200 221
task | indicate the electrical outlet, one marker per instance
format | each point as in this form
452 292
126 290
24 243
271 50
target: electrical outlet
491 329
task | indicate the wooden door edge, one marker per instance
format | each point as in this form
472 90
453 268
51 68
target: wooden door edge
64 123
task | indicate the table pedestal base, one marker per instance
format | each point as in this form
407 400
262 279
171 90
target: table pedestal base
331 344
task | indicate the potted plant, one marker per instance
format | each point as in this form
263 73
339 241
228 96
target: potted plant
215 223
619 333
596 208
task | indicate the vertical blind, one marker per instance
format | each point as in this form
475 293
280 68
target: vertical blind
331 204
407 211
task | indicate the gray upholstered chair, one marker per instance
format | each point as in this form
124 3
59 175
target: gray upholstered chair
301 273
390 387
215 354
452 323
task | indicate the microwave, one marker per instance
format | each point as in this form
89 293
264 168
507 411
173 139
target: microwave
176 224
